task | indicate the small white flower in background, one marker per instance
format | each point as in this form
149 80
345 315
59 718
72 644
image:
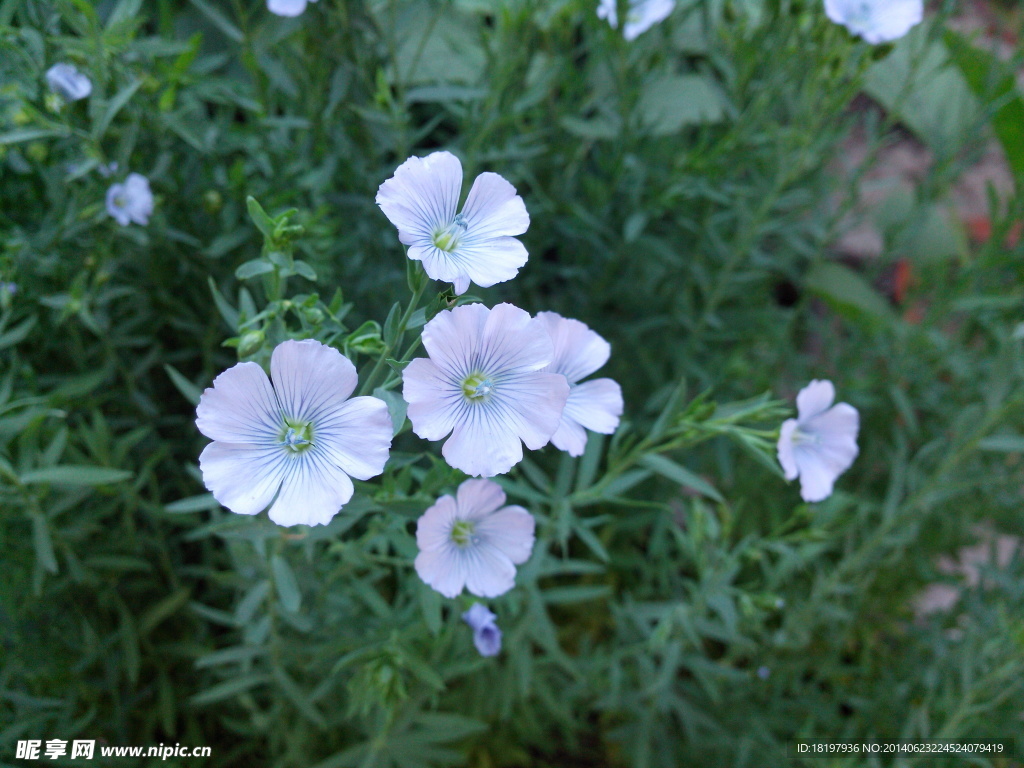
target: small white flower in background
821 443
295 443
131 201
288 7
476 245
67 82
486 634
483 383
106 170
877 21
595 405
641 16
473 541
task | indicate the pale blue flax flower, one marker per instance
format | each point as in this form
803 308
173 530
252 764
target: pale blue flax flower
486 634
131 201
473 541
595 405
67 82
877 21
295 445
484 383
821 443
288 7
640 16
476 245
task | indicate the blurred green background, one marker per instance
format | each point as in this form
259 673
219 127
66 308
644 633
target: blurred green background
742 199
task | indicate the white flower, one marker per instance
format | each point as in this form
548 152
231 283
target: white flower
641 16
67 82
473 541
131 201
486 634
473 246
595 405
483 382
821 443
294 444
877 21
288 7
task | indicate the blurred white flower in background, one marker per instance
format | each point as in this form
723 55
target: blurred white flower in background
296 443
484 383
821 443
288 7
641 16
595 405
877 21
476 245
131 201
471 541
486 634
67 82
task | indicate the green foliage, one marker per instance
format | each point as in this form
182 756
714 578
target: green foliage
681 606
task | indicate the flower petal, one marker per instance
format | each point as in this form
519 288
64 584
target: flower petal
836 433
422 196
489 572
450 339
570 437
531 406
483 447
596 405
486 262
286 7
510 531
814 399
644 14
243 478
139 198
433 399
443 570
493 209
313 491
356 436
478 616
67 82
512 340
816 477
240 407
836 10
434 528
115 208
450 267
487 640
311 379
785 448
477 498
893 20
578 351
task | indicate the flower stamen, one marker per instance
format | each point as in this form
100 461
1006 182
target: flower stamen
462 533
477 386
447 238
297 437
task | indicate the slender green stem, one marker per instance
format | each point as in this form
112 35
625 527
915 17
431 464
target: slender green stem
371 380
